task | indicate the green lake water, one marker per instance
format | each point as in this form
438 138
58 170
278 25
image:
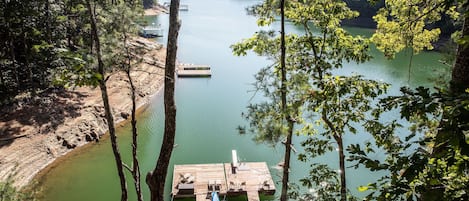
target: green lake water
209 109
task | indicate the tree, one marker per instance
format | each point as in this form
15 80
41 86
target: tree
310 59
432 160
287 117
157 177
269 124
125 57
460 74
107 107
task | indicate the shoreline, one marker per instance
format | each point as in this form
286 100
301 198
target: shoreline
42 174
71 119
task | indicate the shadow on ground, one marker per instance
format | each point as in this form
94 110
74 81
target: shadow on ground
43 113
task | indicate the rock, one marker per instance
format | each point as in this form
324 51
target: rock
65 143
88 138
93 134
125 115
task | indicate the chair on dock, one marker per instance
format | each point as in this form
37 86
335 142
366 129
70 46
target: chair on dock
242 186
264 185
232 186
214 185
186 184
185 189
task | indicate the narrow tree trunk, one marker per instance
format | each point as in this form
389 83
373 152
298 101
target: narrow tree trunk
135 163
343 184
2 79
107 107
13 63
48 26
28 66
286 165
156 178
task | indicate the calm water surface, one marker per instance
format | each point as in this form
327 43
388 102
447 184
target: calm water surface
209 109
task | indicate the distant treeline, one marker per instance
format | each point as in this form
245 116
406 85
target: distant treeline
368 10
149 3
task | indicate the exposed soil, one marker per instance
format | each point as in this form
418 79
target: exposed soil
35 132
156 10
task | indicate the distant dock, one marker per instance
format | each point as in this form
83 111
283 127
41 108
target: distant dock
193 70
182 7
227 179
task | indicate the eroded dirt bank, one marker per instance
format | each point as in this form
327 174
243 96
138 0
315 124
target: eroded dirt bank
33 133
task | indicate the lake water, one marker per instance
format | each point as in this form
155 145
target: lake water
209 109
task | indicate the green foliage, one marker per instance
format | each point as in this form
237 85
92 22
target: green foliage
311 89
431 161
48 43
322 184
10 193
403 23
29 40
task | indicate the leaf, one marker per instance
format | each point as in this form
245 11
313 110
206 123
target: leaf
362 188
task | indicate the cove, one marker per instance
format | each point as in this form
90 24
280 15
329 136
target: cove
209 109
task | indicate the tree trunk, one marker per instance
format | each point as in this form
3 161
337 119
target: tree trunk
107 107
135 163
458 84
2 79
156 178
286 165
460 74
343 184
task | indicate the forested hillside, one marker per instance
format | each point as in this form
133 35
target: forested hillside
35 35
47 43
368 9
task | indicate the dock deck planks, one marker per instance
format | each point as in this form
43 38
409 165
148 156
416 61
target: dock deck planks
251 178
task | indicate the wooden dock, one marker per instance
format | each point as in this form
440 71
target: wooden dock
192 70
199 180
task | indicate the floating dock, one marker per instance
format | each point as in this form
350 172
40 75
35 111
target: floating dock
193 70
227 179
182 7
151 31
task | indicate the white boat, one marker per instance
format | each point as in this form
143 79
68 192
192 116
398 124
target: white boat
151 31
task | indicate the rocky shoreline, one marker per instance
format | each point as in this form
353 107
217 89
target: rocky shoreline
34 133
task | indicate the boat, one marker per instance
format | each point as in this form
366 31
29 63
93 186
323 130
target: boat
151 31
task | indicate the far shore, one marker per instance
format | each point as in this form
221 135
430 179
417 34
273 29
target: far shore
156 10
61 121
